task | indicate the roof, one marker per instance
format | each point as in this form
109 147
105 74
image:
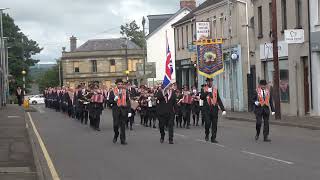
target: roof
167 21
106 45
157 20
189 16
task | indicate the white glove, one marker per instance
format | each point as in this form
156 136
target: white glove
209 89
273 113
116 98
129 114
256 103
224 113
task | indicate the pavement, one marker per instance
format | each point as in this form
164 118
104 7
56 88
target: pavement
308 122
16 155
76 152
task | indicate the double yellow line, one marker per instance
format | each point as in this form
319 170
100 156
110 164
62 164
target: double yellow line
52 169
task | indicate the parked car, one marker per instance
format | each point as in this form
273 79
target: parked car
37 99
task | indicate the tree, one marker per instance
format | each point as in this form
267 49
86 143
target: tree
49 79
20 53
133 33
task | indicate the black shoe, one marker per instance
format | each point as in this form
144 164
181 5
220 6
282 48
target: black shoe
154 126
257 137
207 138
214 141
97 129
266 140
131 129
171 142
124 143
161 140
188 127
114 140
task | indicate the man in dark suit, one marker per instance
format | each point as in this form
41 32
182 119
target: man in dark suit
211 105
20 95
263 102
165 111
121 110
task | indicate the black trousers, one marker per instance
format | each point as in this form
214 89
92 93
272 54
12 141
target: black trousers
152 116
168 121
120 117
211 121
186 111
265 117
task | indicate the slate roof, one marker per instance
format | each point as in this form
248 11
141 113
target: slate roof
189 16
157 20
106 45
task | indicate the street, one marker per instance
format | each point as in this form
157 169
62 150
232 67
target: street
79 153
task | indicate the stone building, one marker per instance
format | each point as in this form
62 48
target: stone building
293 58
101 61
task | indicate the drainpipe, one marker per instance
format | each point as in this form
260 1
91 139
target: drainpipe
310 55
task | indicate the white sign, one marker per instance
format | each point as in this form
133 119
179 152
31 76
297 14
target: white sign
266 50
294 36
203 30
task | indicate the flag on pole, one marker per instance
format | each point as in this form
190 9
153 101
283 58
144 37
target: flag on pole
168 66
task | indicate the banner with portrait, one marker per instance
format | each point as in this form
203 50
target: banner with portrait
210 60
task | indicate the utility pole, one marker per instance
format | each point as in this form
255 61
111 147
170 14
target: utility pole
4 77
275 60
230 59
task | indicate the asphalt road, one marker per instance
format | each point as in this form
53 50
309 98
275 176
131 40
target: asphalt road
79 153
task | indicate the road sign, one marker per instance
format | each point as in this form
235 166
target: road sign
294 36
150 70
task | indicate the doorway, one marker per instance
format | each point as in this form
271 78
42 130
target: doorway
306 85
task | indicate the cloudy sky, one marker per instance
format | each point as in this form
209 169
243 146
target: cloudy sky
52 22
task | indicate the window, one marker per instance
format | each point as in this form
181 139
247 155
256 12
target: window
260 25
182 41
284 14
112 65
76 67
284 85
192 32
298 13
178 40
221 25
94 65
187 35
270 16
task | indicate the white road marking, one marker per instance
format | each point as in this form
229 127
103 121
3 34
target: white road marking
267 157
52 169
203 141
181 135
13 117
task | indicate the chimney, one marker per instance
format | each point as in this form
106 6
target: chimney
191 4
73 43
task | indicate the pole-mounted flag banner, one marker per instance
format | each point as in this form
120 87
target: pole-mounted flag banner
168 67
210 59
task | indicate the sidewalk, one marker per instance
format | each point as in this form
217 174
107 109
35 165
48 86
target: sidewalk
16 156
308 122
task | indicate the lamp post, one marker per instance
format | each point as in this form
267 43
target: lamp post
2 60
127 74
144 47
23 72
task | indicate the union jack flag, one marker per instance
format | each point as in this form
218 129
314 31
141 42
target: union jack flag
168 67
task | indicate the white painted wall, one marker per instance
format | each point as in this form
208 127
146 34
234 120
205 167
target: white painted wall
156 47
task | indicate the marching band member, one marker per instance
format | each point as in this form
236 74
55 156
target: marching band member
120 110
212 102
143 107
96 107
195 106
263 102
178 110
165 109
186 106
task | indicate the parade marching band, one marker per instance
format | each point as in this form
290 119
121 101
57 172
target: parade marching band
158 106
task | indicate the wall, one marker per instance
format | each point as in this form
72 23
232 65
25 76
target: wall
156 47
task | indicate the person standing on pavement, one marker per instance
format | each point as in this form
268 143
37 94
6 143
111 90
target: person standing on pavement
165 110
121 107
211 105
20 95
263 102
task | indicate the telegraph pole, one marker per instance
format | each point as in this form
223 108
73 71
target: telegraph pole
230 59
276 77
144 48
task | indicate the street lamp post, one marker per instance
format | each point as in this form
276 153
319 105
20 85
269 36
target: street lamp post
2 60
127 74
24 80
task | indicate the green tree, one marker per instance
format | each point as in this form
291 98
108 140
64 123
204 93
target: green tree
21 50
49 79
133 33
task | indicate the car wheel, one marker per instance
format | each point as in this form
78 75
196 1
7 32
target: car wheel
34 102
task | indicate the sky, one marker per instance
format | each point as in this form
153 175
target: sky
52 22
